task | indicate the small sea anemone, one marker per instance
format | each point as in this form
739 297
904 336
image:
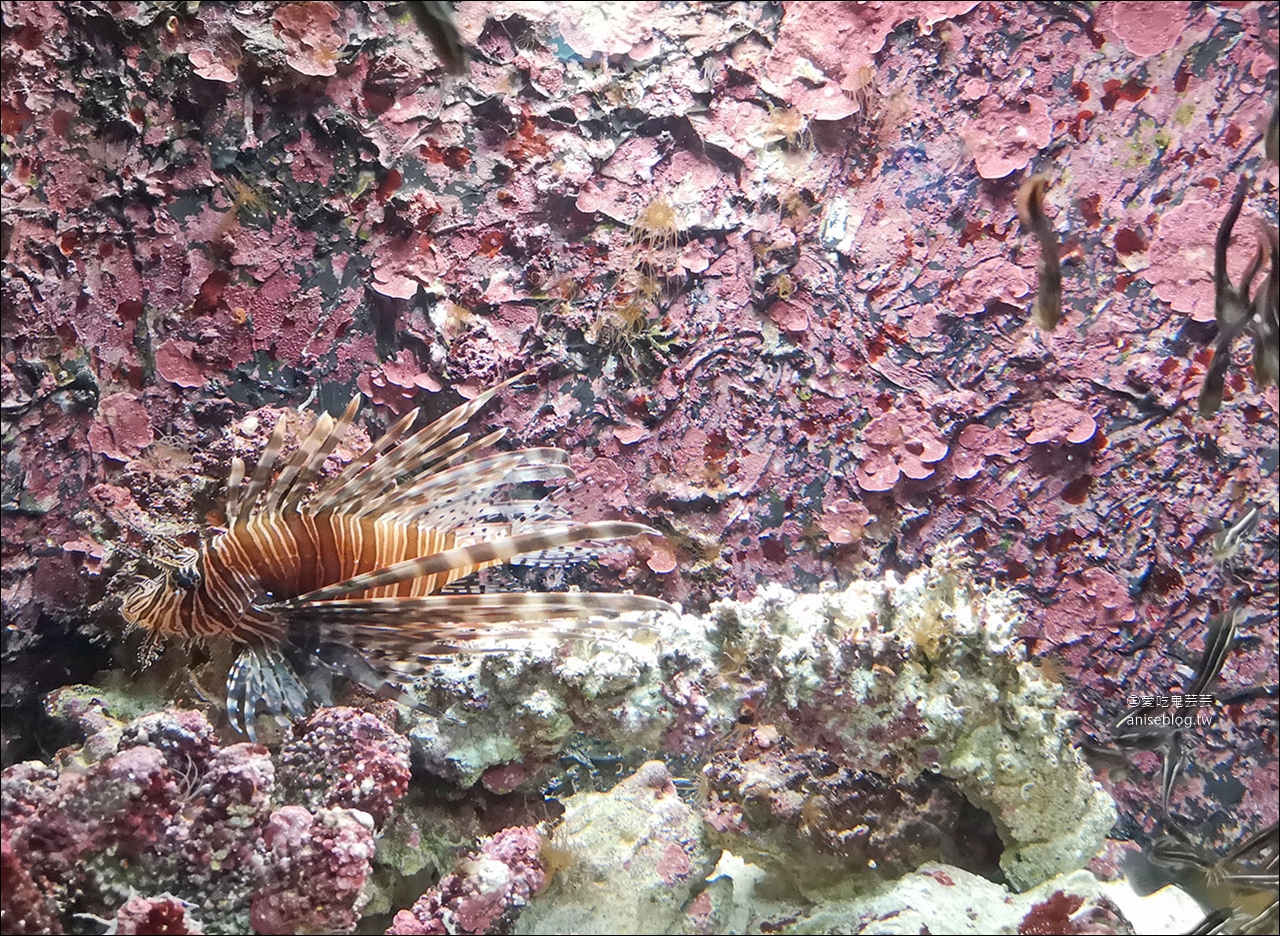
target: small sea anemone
555 853
656 227
788 126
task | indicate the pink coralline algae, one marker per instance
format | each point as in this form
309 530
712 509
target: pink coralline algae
1094 601
1145 28
398 383
824 51
345 757
159 806
1181 255
899 443
318 867
156 916
310 41
844 520
484 893
122 431
1058 421
977 444
1007 135
25 909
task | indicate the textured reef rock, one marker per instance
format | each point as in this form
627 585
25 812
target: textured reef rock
485 893
158 809
943 899
848 735
763 264
629 860
912 695
640 859
341 757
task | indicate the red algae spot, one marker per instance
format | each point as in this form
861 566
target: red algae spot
505 778
1129 241
1053 915
1181 78
942 878
14 116
527 142
390 185
29 38
674 864
491 243
1076 124
1080 91
1090 207
457 157
1114 91
1078 490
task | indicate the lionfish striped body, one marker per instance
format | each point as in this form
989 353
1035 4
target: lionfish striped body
356 573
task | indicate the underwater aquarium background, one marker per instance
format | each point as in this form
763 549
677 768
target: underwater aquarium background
764 266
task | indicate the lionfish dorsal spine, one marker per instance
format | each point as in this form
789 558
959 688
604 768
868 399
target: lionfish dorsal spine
234 480
410 456
315 451
472 478
261 473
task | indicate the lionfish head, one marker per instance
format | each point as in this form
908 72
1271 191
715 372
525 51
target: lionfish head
160 603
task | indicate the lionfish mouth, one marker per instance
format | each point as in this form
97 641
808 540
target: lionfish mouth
365 573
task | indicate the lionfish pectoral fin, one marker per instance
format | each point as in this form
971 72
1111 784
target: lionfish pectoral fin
262 676
385 644
468 559
446 611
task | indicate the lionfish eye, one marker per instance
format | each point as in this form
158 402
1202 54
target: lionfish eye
186 577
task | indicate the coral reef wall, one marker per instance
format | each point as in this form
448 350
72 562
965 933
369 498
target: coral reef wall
762 261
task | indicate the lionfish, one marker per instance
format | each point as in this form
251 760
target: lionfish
365 574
